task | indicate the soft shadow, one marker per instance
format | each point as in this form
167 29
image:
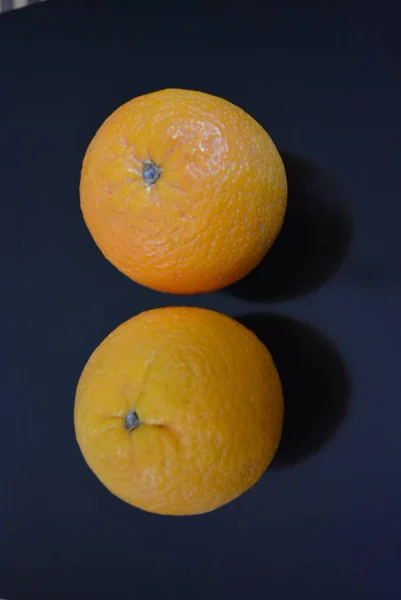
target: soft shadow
313 242
315 383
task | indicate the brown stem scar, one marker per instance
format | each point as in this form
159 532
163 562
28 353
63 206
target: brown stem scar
150 172
131 421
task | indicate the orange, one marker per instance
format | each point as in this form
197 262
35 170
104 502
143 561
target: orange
183 191
179 410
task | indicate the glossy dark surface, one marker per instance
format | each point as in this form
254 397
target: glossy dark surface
324 79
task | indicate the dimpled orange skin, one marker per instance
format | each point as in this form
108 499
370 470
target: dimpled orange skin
210 406
216 208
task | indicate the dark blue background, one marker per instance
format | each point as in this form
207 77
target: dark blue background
324 79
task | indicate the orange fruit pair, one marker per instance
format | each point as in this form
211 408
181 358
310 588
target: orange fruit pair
180 410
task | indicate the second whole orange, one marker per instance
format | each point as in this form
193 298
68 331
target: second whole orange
183 191
179 410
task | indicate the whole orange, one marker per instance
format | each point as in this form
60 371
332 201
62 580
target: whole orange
183 191
179 410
